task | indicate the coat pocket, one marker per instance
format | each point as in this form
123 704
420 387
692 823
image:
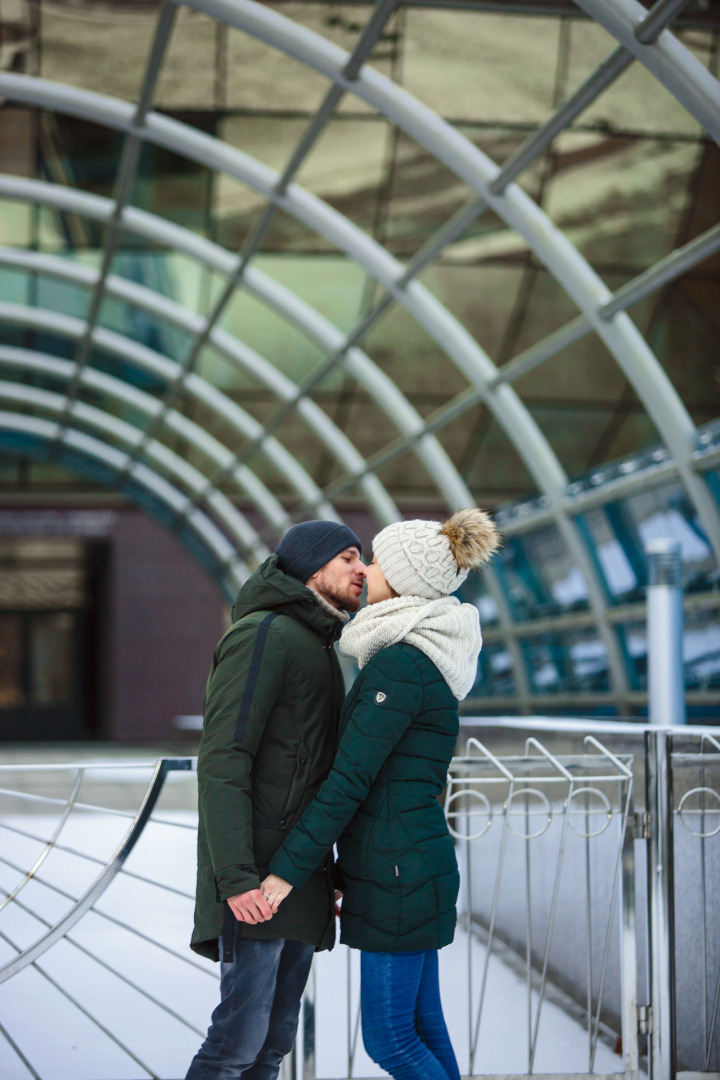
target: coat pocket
298 796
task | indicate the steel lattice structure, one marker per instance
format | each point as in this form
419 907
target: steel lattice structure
135 457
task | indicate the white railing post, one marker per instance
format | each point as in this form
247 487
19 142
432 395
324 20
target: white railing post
666 684
660 896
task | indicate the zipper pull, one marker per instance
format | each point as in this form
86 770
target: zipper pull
397 872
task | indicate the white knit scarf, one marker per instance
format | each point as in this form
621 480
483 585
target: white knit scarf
447 631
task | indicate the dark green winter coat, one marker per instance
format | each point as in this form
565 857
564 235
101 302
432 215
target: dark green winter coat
271 711
380 803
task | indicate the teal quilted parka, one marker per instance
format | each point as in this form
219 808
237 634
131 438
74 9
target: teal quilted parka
380 803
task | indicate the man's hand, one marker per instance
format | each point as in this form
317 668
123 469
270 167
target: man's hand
275 889
251 907
338 898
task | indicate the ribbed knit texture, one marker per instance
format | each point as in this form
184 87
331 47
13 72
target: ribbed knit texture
308 546
447 631
417 559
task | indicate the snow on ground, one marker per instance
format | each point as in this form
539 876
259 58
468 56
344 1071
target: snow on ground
121 997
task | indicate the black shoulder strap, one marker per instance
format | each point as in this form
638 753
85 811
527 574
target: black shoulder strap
253 673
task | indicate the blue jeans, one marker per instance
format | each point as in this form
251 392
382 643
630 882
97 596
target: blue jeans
402 1021
255 1024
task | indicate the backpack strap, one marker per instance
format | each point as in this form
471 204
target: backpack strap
253 672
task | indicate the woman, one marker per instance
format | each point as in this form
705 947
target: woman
417 648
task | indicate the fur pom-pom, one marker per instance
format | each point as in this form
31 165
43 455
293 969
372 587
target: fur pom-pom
473 537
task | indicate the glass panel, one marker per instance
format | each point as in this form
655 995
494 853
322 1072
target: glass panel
701 651
82 48
11 691
51 658
458 64
636 101
15 223
262 78
17 138
567 663
172 185
583 197
635 635
473 591
541 578
495 672
189 77
616 547
667 512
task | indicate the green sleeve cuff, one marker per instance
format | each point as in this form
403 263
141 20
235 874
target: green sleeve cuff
282 866
233 880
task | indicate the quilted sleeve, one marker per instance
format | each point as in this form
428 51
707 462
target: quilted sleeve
389 697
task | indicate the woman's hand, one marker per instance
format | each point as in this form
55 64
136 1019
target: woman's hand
275 889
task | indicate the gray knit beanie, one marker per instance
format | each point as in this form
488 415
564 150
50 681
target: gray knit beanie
432 558
306 547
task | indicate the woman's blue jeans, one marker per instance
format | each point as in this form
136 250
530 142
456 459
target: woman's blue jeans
402 1021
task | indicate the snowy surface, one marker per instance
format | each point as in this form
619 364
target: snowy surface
107 1002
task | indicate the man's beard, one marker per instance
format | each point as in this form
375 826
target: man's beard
349 602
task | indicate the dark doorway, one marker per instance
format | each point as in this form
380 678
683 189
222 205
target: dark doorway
51 651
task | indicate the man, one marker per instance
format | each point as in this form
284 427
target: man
272 703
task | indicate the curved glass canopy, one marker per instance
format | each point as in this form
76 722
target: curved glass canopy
275 347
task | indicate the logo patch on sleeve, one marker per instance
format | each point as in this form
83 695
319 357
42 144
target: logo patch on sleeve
380 697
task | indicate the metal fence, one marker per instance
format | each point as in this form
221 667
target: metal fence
561 814
588 938
96 895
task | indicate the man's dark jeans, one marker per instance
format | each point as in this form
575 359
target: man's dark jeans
254 1026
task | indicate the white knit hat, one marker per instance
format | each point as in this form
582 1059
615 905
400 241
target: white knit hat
431 558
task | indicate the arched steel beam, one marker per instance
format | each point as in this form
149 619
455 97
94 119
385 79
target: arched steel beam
34 436
124 181
121 430
282 301
426 309
382 12
514 206
242 356
168 370
696 489
288 306
455 491
306 319
416 432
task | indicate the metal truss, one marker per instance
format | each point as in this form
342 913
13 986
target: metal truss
143 484
642 36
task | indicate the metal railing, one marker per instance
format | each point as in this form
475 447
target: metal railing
543 801
589 859
86 962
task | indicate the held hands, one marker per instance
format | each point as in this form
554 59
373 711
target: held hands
259 905
275 889
251 907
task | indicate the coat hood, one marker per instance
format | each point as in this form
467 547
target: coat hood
269 589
